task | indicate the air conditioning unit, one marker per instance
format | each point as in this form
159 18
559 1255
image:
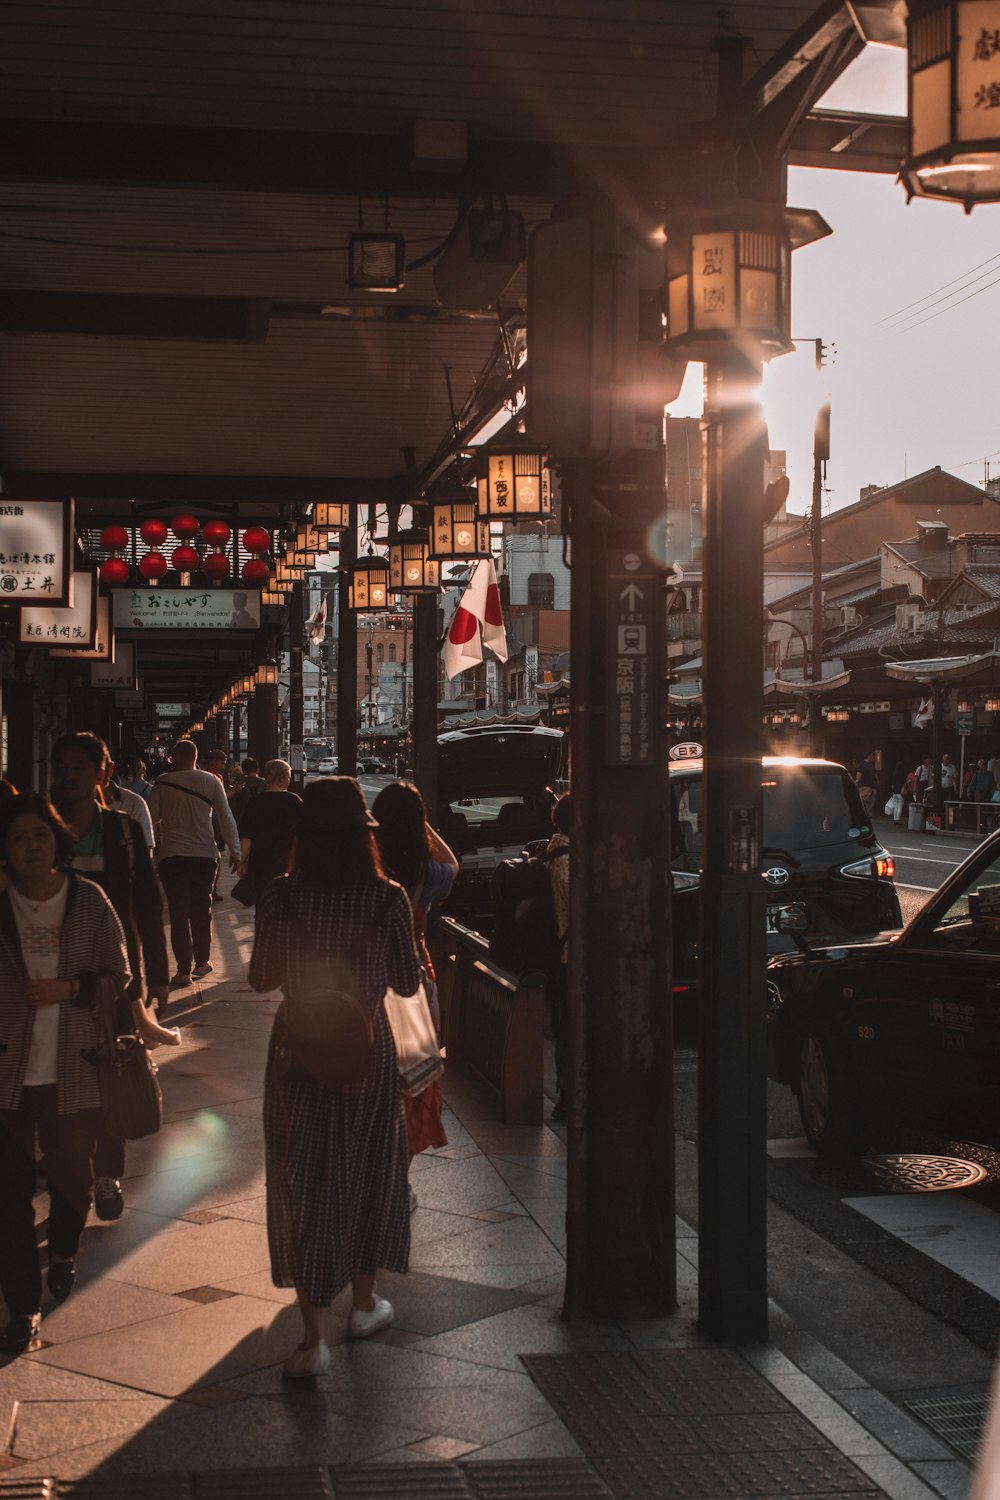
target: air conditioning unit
908 617
848 616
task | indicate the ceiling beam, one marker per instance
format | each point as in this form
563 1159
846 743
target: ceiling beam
247 491
856 143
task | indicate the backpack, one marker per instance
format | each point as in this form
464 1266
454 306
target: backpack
525 937
328 1025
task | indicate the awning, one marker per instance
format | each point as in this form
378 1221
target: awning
983 668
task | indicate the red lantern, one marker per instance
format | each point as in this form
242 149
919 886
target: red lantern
114 571
154 533
256 539
216 567
185 526
114 538
153 566
216 533
256 571
185 560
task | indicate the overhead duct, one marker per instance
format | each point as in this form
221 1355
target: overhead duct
481 258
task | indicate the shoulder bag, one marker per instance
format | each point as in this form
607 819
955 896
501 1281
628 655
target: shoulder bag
131 1101
417 1048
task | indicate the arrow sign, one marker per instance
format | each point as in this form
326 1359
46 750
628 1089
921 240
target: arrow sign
633 596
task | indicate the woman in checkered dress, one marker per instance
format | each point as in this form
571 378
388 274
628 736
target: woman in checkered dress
337 1158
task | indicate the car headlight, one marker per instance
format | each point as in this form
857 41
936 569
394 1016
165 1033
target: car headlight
878 866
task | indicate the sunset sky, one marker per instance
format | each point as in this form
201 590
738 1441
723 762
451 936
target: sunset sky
910 296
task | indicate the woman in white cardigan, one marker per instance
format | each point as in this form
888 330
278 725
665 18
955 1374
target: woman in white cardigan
59 936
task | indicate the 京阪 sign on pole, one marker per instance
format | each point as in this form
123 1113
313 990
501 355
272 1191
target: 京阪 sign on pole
631 736
36 558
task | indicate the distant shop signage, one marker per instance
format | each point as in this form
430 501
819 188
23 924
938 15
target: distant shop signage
36 551
173 710
103 648
631 716
119 673
186 609
71 625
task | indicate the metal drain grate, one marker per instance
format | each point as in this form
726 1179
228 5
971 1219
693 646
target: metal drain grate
414 1481
261 1484
959 1420
527 1479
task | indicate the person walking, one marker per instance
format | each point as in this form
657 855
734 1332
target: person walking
949 777
415 855
181 805
120 799
109 852
982 786
866 778
250 786
924 778
337 1208
136 780
59 937
268 825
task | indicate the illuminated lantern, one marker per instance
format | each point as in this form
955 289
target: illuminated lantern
256 539
369 583
114 538
256 572
512 482
456 531
114 571
153 566
185 526
954 138
185 560
216 533
215 567
411 568
154 533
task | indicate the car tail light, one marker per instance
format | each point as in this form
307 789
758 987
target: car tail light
880 866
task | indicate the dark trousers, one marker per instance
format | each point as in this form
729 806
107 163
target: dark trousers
557 988
67 1143
188 887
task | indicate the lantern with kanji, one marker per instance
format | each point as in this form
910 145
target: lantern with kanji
368 583
512 481
412 570
114 570
456 532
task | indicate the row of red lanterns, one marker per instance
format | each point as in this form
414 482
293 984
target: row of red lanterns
184 559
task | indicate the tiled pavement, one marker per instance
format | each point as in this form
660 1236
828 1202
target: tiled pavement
166 1360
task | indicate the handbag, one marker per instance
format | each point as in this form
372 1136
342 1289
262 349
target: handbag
131 1100
243 892
417 1049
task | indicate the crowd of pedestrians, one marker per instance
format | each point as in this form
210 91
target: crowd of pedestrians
341 900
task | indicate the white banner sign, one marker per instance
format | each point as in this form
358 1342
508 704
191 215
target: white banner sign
186 609
119 673
35 551
75 626
104 643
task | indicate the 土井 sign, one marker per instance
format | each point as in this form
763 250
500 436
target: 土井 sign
186 609
36 559
631 714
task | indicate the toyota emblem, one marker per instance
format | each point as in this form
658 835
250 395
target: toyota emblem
776 875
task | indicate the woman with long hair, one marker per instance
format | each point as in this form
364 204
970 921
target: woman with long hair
59 937
415 855
337 1207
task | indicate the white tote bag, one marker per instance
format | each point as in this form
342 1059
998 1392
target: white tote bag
415 1036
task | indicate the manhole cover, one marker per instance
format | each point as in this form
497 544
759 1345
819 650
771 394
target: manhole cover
920 1173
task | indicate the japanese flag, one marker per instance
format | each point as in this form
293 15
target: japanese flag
479 608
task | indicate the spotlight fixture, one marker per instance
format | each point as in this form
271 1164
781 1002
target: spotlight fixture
375 262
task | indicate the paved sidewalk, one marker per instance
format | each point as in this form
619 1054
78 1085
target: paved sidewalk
166 1359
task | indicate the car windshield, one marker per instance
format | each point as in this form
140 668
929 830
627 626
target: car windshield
805 808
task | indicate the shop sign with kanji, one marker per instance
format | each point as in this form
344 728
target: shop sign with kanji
103 648
186 609
119 673
43 625
978 74
36 558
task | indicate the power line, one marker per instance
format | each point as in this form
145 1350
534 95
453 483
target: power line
890 317
931 316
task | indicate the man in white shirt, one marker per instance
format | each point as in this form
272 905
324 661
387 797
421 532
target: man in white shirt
130 803
181 804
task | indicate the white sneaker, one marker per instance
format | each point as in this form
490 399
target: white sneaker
304 1363
361 1324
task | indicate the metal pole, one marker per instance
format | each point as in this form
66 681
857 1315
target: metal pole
296 703
732 1103
816 541
425 699
347 663
620 1222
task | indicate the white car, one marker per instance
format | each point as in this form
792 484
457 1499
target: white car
327 766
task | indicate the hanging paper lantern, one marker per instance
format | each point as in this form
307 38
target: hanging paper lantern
114 538
256 571
154 533
185 559
216 533
114 571
215 567
153 566
185 526
256 539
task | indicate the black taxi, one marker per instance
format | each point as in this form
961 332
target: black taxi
901 1030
